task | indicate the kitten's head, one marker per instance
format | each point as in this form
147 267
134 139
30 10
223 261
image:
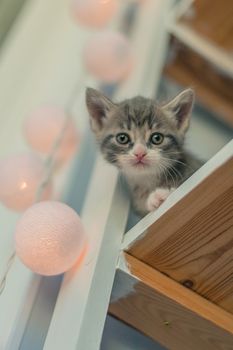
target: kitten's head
137 135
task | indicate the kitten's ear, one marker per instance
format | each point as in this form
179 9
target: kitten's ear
98 107
180 108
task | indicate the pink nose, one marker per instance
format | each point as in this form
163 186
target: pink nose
139 152
140 156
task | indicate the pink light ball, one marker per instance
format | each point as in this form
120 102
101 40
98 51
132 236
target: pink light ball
43 127
20 177
108 56
94 13
49 238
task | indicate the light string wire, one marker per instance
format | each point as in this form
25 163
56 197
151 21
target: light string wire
48 166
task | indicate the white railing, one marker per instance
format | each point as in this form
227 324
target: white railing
84 297
40 62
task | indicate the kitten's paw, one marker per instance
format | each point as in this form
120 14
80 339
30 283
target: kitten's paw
157 197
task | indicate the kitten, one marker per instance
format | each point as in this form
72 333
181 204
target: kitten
144 141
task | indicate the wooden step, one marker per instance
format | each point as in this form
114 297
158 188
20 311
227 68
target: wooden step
200 54
193 241
212 19
213 87
167 312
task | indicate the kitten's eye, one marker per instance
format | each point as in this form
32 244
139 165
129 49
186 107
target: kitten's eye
156 138
123 138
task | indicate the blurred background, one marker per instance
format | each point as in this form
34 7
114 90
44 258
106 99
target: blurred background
42 62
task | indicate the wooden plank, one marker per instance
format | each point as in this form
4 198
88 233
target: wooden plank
206 49
150 52
139 230
77 296
212 19
202 54
74 305
167 312
212 83
193 241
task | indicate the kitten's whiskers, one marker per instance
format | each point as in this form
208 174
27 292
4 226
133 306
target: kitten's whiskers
180 162
167 167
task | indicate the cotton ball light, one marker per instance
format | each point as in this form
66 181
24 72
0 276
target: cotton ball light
94 13
43 127
20 177
49 238
108 56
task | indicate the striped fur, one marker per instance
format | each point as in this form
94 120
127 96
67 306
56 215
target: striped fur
167 164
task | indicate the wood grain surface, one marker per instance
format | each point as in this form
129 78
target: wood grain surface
214 89
193 241
213 19
167 312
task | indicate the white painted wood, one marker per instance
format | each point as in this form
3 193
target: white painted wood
149 53
139 229
45 59
181 7
84 294
21 290
8 11
40 62
120 290
83 299
157 38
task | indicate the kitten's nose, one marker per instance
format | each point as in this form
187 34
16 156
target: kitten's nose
139 151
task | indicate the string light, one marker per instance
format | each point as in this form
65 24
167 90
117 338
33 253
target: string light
113 60
94 13
20 178
118 59
43 127
48 171
49 238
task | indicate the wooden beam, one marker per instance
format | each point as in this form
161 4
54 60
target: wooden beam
193 58
193 241
167 312
202 52
212 20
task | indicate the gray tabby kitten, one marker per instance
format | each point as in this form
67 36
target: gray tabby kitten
144 141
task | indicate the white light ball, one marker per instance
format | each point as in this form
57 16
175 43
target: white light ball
43 127
20 177
108 56
94 13
49 238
